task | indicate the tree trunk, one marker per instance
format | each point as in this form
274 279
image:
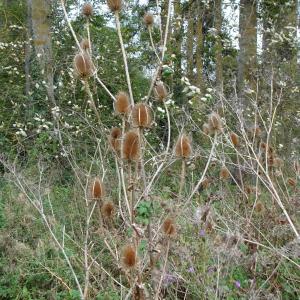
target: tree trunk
28 50
247 59
199 48
177 38
40 10
190 42
218 46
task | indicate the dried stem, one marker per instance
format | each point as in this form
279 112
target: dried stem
118 25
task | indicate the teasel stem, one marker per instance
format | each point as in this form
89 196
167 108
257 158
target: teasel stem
240 175
160 28
118 25
122 168
91 101
143 174
204 171
182 177
142 145
89 36
169 127
166 30
131 192
163 271
86 254
99 204
152 43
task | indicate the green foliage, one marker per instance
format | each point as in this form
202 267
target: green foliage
144 212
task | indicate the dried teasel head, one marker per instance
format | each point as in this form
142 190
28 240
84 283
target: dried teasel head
205 183
115 138
122 103
148 19
296 166
83 65
291 182
141 116
255 131
108 209
263 146
131 146
249 189
85 45
278 162
129 257
205 129
183 146
114 5
97 190
224 173
215 123
115 133
160 91
87 10
259 207
169 227
235 140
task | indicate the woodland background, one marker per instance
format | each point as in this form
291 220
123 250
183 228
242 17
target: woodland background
246 51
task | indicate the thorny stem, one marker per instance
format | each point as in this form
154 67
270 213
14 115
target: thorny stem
163 271
143 175
182 177
204 171
118 25
152 43
91 101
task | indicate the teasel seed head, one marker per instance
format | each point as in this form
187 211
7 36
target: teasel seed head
249 190
291 182
87 10
131 146
108 209
122 103
115 138
263 146
255 131
205 183
114 5
148 19
278 162
160 91
97 189
183 146
83 65
141 116
129 257
205 129
215 123
296 166
224 173
259 207
169 227
235 139
85 45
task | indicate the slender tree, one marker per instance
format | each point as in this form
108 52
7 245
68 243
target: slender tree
190 40
218 45
247 59
40 12
199 46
